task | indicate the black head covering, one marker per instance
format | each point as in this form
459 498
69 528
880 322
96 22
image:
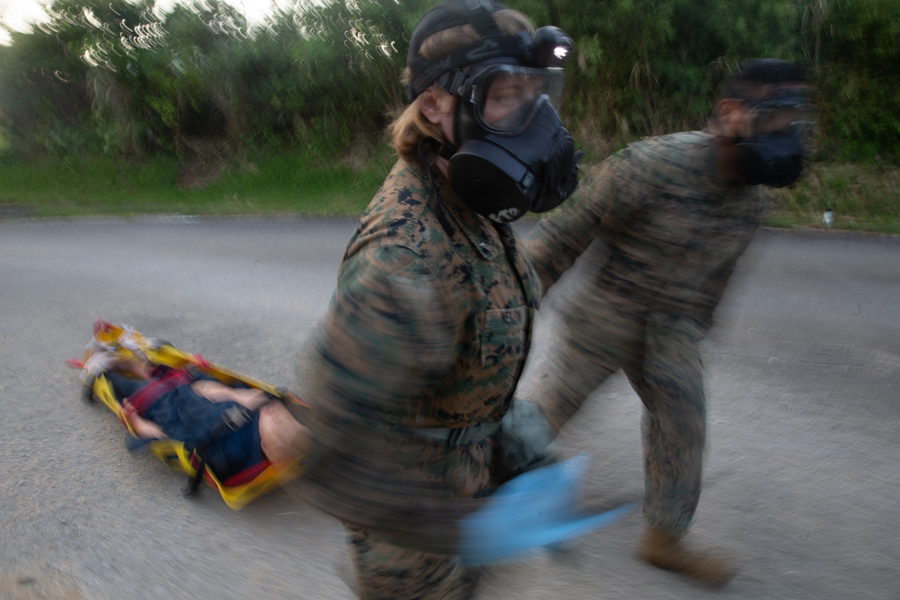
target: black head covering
746 77
454 13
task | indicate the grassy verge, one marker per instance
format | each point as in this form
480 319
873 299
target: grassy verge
98 186
862 197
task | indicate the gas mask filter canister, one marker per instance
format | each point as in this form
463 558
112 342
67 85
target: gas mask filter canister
774 159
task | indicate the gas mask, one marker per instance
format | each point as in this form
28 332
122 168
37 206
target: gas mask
512 153
773 155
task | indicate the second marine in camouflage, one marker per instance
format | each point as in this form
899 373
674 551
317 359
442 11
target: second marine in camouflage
675 213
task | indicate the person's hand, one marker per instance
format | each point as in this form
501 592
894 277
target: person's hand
147 430
525 435
127 408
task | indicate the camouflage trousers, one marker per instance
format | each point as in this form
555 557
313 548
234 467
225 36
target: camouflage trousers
660 357
386 571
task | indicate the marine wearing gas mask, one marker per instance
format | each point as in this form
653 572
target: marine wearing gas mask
416 362
511 153
674 214
771 152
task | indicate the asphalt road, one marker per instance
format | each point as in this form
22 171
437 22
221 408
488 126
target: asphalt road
802 467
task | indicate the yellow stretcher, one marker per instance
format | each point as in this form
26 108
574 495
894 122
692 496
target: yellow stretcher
112 342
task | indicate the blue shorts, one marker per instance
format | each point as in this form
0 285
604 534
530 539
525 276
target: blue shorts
186 416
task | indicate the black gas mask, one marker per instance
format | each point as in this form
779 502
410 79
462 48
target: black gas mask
773 155
512 153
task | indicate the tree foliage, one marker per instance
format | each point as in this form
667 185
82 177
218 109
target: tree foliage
119 78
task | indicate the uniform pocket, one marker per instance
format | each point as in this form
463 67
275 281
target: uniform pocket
503 337
488 373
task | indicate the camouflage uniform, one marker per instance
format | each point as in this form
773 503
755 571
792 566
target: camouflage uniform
674 231
429 328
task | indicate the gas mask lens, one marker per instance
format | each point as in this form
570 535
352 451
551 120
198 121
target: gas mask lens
785 118
786 110
507 97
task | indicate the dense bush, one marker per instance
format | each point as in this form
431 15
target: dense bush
116 78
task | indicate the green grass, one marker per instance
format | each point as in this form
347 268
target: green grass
98 186
862 197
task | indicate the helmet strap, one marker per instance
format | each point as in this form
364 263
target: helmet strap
479 14
446 150
451 81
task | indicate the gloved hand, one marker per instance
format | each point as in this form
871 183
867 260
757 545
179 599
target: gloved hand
535 509
525 434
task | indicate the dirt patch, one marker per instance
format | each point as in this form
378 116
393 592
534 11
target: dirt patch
203 162
39 584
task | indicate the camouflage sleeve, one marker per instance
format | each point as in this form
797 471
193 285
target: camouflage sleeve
563 235
387 333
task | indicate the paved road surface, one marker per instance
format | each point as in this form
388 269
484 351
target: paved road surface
803 462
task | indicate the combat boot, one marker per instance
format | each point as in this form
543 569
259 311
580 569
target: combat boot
668 552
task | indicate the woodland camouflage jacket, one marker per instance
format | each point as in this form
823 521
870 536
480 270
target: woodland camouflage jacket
429 326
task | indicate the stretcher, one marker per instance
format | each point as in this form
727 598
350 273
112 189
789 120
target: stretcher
112 343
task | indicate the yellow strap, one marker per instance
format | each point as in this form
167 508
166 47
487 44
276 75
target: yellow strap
103 389
176 457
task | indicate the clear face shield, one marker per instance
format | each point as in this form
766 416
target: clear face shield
507 97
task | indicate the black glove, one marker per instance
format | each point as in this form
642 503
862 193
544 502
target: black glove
524 437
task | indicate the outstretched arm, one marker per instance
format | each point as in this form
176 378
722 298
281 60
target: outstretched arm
563 235
390 331
214 391
146 429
